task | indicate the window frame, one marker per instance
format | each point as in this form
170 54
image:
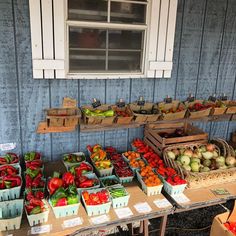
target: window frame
108 25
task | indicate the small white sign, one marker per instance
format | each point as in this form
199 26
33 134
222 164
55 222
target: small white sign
180 198
123 212
99 219
162 203
7 146
142 207
72 222
41 229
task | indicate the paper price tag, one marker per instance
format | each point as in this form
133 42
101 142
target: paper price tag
123 212
72 222
143 207
99 219
7 146
180 198
41 229
162 203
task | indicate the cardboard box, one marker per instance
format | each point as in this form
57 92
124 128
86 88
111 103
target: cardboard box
218 228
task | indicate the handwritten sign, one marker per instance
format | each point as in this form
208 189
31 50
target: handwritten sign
143 207
99 219
7 146
41 229
72 222
162 203
123 212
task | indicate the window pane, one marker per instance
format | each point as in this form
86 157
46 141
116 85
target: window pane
87 10
123 39
87 60
124 61
87 38
128 12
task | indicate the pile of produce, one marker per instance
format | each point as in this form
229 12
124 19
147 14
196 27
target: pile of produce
9 158
149 177
31 156
131 155
86 182
73 158
9 170
62 191
99 157
81 169
34 177
97 112
172 110
10 181
122 113
96 198
152 111
34 203
35 163
117 192
201 159
109 181
198 107
177 133
231 226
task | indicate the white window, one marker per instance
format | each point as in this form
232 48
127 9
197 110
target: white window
84 39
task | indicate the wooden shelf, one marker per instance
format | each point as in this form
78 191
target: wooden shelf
44 129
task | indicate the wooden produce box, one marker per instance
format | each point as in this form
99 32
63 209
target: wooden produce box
63 117
152 135
197 114
216 111
143 118
231 107
94 120
175 105
123 120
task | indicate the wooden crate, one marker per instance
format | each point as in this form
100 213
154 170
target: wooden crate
123 120
231 107
153 138
197 114
94 120
144 118
62 117
216 111
173 105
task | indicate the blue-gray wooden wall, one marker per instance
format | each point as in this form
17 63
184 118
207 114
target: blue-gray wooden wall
204 63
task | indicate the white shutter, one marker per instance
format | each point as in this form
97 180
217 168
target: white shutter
47 21
161 38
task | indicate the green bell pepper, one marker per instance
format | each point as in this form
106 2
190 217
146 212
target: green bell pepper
60 193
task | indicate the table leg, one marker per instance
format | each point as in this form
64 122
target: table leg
130 228
145 228
163 225
141 227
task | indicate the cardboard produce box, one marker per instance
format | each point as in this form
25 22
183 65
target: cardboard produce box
218 228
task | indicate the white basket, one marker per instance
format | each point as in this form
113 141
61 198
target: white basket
174 189
119 201
38 218
11 214
68 164
96 209
63 211
10 194
149 190
104 172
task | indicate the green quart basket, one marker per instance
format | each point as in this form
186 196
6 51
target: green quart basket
63 211
11 214
10 194
97 209
174 189
149 190
69 164
90 176
120 201
111 177
38 218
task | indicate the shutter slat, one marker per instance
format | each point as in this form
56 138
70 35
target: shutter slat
170 34
59 34
161 65
162 35
49 64
36 36
153 33
47 24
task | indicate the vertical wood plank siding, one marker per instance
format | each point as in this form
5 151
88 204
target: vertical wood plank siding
204 63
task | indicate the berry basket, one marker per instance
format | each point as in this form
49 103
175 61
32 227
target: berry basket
174 189
119 201
111 177
100 209
10 194
69 164
36 219
11 214
63 211
90 176
149 190
104 172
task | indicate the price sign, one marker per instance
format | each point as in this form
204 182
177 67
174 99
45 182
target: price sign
72 222
99 219
162 203
41 229
143 207
123 212
180 198
7 146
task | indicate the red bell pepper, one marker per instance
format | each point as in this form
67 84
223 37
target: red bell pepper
61 202
53 184
68 179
